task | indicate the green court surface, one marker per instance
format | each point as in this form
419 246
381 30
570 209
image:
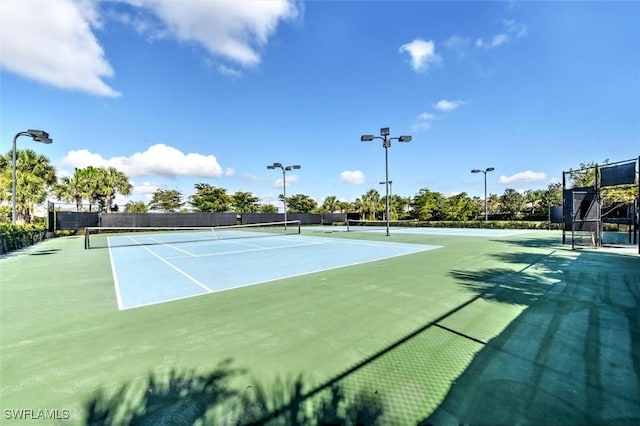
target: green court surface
484 330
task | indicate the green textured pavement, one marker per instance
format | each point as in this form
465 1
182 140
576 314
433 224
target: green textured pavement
505 330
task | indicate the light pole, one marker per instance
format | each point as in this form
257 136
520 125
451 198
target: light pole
285 169
386 143
485 171
38 136
390 188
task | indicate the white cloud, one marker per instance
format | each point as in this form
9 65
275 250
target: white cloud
59 49
229 71
426 116
420 125
145 188
423 122
526 176
446 106
516 29
291 179
229 171
62 50
354 177
457 44
250 177
157 160
512 29
496 41
140 192
423 54
234 30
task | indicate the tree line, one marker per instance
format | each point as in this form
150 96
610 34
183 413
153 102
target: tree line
36 180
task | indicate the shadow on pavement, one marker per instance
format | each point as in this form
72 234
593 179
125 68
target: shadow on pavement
572 357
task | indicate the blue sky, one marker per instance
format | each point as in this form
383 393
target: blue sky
179 92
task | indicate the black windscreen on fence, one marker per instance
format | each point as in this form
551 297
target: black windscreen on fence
166 219
81 220
585 206
304 218
618 175
579 203
556 214
66 221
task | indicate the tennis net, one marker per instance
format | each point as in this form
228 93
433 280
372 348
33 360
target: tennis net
373 225
103 237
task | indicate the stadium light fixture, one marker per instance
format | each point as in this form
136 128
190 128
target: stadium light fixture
386 143
285 169
485 171
38 136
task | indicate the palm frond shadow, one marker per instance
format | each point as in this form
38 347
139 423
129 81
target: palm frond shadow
185 398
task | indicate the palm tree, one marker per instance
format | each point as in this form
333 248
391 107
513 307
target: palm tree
34 176
244 202
70 189
83 185
112 182
359 207
344 206
371 203
90 180
30 191
135 207
330 204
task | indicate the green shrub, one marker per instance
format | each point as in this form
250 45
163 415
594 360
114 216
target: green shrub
13 237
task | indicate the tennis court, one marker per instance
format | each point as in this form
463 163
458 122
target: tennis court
511 329
462 232
167 266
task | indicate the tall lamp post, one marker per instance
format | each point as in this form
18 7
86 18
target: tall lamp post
485 171
386 143
38 136
390 188
285 169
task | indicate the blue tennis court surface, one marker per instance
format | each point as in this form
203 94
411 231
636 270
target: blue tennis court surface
150 271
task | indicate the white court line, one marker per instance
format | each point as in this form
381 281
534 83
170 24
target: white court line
116 283
242 244
171 246
173 266
423 248
202 243
312 241
257 248
369 243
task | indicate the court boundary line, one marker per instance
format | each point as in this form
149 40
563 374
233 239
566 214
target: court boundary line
171 246
424 230
424 247
173 266
311 242
370 242
256 248
116 282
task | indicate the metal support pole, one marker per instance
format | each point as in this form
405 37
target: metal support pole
14 206
284 198
486 214
386 170
38 136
